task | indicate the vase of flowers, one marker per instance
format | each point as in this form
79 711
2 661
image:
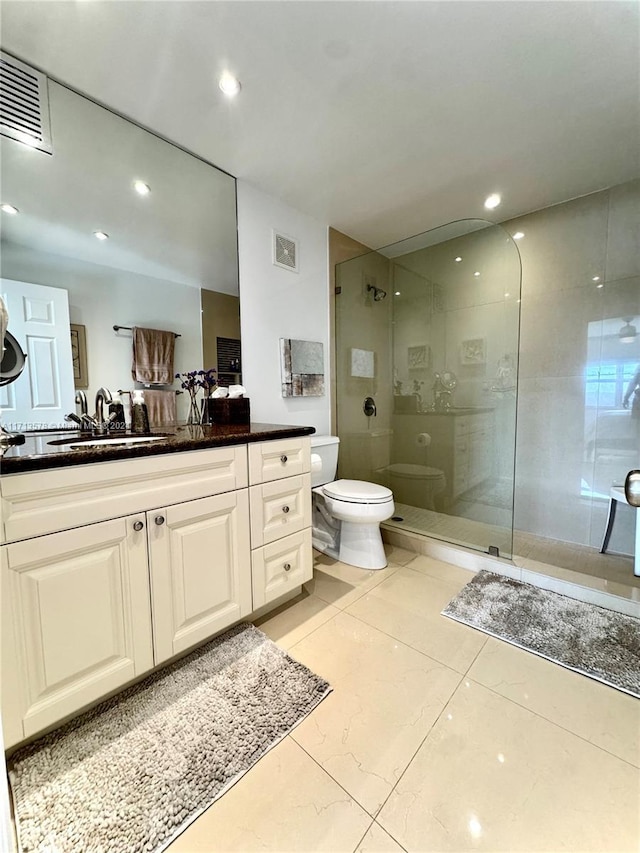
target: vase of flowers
208 383
190 382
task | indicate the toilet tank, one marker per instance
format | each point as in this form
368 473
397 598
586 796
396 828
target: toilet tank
325 449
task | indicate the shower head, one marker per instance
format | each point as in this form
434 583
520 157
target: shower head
378 293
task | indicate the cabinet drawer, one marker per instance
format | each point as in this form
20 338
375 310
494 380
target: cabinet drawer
42 502
280 508
274 460
281 567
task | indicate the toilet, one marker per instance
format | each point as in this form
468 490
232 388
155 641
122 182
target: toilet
346 513
416 485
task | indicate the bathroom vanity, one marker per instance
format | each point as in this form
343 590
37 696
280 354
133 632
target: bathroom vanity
115 559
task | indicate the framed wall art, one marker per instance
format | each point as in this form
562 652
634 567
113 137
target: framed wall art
79 355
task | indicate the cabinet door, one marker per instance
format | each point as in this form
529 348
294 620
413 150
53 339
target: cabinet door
281 567
200 570
76 621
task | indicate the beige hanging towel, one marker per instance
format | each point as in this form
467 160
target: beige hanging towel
153 356
161 407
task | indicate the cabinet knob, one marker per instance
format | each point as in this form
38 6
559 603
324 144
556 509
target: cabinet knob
287 567
285 509
159 519
138 525
284 459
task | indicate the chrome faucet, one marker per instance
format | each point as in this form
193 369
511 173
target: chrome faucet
103 395
81 398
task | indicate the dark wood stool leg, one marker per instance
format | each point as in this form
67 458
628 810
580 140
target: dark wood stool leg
610 519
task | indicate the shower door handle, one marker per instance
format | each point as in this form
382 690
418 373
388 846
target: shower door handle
369 407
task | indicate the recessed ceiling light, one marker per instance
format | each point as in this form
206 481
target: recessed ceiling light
458 259
141 187
9 208
507 295
476 273
518 235
397 293
596 278
600 285
100 235
492 201
229 84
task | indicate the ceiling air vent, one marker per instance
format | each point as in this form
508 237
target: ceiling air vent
24 104
285 252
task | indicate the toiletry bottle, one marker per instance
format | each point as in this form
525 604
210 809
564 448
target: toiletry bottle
117 423
139 414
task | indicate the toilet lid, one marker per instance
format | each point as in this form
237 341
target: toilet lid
358 491
414 472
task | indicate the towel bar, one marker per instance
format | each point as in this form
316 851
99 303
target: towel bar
130 328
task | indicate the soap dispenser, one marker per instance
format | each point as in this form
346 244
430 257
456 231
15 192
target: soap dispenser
139 414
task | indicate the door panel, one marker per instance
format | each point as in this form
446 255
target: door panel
200 570
77 609
39 320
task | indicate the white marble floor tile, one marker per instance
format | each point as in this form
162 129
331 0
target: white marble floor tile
340 584
285 803
439 569
408 606
294 620
386 696
398 556
493 776
600 714
378 841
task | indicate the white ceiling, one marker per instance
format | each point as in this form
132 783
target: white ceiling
382 119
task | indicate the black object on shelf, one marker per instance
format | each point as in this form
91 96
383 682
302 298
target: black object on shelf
229 410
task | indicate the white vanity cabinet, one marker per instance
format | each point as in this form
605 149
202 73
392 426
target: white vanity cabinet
89 608
280 498
111 569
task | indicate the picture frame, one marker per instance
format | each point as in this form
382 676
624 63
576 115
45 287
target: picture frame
473 351
302 368
79 355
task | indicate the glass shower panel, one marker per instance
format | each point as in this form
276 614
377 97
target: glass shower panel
440 352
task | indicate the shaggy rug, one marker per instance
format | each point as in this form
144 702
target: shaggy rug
131 774
600 643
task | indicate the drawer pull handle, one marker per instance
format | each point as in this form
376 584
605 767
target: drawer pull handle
159 519
138 525
287 567
285 509
284 459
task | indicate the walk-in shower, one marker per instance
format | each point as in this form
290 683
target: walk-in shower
475 328
439 358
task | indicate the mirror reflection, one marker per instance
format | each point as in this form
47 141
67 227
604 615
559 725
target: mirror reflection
116 227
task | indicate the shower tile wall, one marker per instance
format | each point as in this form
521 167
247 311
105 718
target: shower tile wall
571 444
363 324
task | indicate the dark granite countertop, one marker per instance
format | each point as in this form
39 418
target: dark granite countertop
38 453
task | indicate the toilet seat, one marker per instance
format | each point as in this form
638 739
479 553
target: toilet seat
357 492
414 472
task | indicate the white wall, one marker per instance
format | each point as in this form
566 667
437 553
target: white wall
277 303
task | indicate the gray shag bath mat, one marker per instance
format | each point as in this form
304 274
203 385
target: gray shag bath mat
600 643
131 774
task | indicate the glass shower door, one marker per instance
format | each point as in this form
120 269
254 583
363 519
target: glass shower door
429 329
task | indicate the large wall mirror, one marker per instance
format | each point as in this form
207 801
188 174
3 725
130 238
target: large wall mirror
170 260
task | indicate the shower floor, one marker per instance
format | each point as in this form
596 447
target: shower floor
528 549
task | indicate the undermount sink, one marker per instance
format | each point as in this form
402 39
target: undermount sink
107 441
